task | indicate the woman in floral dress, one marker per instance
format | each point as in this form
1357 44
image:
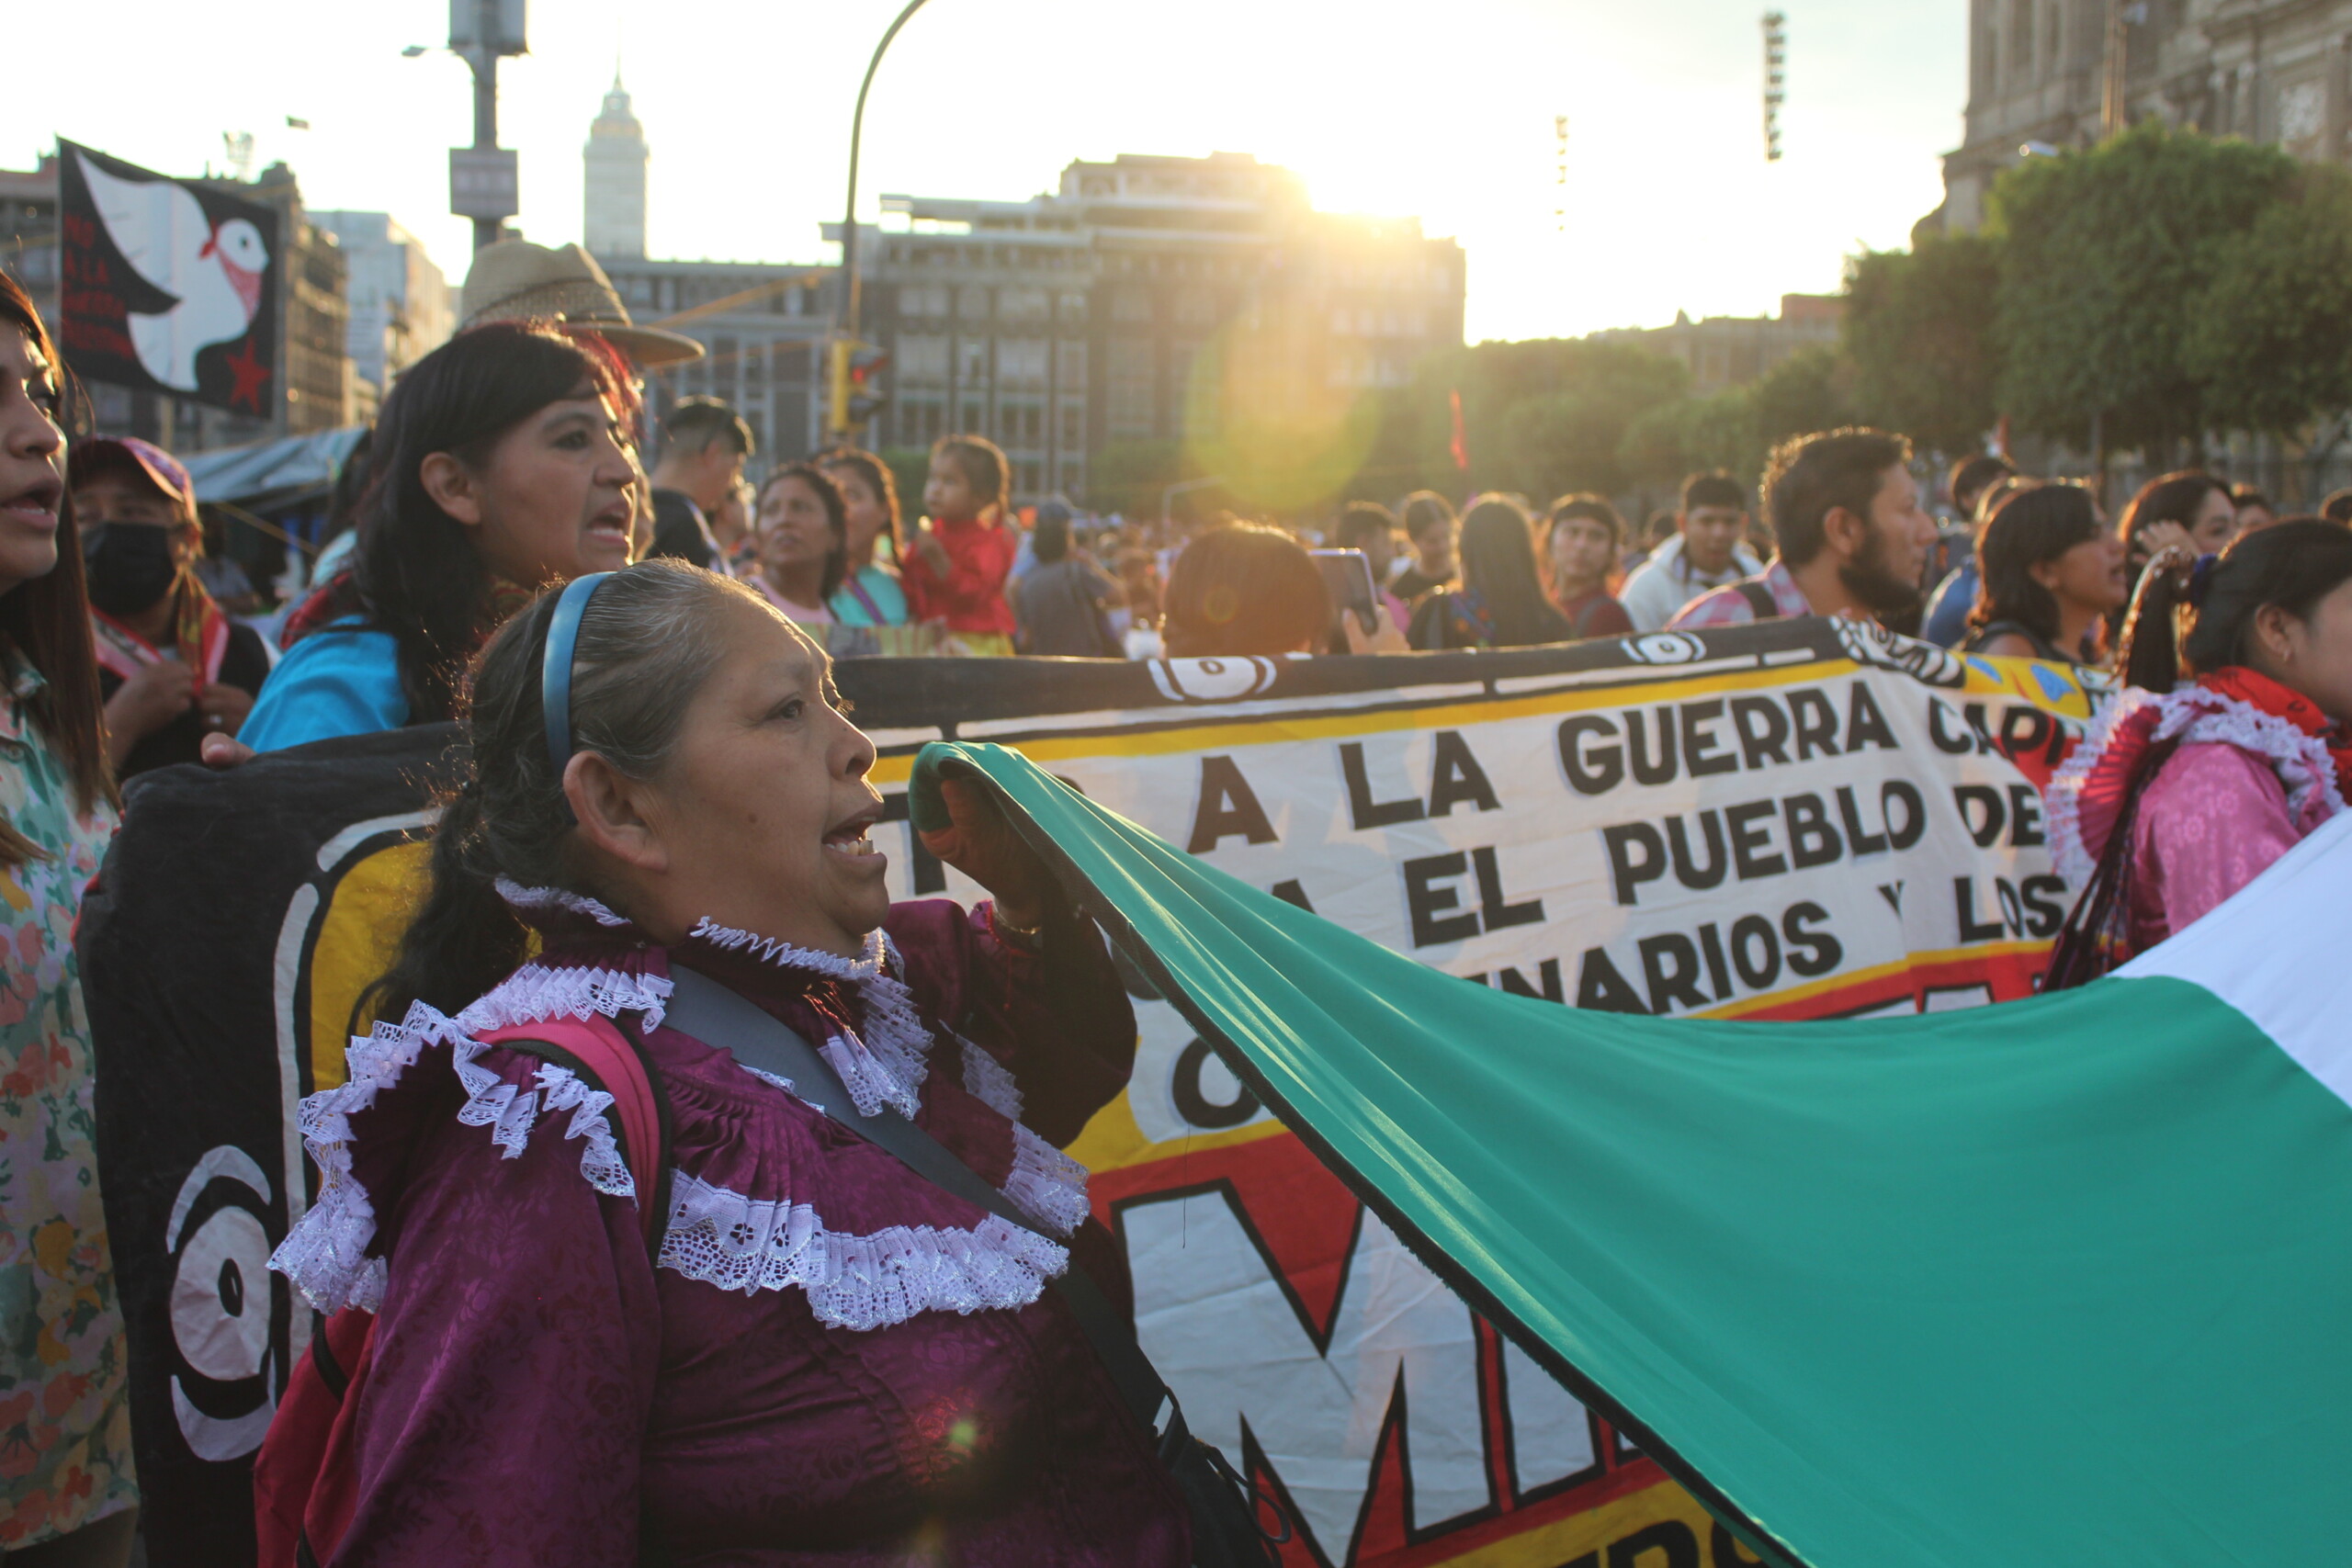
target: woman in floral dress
67 1492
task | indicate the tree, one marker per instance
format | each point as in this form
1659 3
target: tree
1541 417
1806 392
2106 256
1919 331
2271 342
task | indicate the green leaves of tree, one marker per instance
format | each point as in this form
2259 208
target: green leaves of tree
2107 258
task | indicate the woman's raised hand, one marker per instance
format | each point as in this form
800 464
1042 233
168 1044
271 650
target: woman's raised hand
981 844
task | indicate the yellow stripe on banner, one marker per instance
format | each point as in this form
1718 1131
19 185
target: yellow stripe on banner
1660 1525
1112 1139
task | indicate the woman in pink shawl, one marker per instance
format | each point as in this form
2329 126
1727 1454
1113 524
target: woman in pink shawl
2188 789
818 1357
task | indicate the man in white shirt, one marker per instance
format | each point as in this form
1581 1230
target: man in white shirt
1703 555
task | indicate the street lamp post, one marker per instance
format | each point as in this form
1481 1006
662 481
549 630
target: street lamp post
482 184
840 356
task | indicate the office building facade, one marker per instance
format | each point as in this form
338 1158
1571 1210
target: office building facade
1145 300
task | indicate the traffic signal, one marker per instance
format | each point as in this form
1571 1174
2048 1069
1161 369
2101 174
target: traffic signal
855 385
866 396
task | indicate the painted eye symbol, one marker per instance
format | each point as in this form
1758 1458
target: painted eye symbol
222 1309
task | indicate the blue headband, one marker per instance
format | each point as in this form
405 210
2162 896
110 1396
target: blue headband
555 664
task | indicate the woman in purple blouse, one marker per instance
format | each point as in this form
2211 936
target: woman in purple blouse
823 1359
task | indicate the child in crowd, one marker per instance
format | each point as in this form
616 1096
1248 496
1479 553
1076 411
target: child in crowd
962 553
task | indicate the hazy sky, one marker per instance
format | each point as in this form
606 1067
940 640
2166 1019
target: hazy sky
1439 108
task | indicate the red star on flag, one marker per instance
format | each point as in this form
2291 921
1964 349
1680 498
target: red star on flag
253 376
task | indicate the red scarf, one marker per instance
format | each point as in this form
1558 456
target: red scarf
2259 691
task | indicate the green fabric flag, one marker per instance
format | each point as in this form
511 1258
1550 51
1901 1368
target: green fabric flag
2067 1280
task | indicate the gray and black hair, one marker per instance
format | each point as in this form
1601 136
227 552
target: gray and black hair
649 641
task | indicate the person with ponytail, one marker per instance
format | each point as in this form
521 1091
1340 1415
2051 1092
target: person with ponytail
2227 746
502 462
2049 571
818 1355
68 1494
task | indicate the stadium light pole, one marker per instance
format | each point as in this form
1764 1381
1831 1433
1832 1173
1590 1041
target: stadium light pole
849 220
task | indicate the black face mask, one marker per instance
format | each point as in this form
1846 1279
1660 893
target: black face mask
130 566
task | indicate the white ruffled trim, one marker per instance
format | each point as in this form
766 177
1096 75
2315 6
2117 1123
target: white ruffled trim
859 1283
989 1081
884 1063
523 897
2198 715
536 992
1047 1182
325 1254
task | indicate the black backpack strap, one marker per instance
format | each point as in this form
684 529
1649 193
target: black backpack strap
1760 599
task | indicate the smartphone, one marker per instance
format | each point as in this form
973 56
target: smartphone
1348 575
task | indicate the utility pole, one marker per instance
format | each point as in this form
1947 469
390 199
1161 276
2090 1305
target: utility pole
483 182
846 344
2111 112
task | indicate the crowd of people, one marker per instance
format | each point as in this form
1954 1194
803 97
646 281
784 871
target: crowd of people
638 657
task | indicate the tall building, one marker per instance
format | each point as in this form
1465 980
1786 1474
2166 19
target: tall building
612 218
1146 299
400 303
1731 351
2275 71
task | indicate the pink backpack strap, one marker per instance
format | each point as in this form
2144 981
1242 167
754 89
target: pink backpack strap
595 1048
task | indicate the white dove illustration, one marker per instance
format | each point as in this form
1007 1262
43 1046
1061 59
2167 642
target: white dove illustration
214 273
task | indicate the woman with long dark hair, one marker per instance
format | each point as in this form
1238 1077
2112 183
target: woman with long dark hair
67 1492
2188 789
871 594
2048 571
803 533
816 1354
501 463
1500 601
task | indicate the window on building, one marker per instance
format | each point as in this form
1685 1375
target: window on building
971 361
972 303
1024 307
1071 371
1073 425
1023 361
1072 308
2021 36
921 359
1027 477
1129 304
975 415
